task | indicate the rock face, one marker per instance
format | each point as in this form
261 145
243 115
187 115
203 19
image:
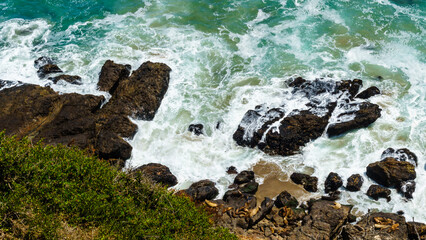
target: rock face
376 192
111 75
158 173
74 119
284 129
202 190
391 172
354 183
309 183
402 154
379 225
333 182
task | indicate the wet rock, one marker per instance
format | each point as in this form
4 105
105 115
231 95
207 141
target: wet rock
351 86
354 183
407 188
67 78
111 75
232 170
141 94
402 154
308 182
324 221
332 196
369 92
244 177
48 69
265 208
333 182
377 226
285 199
110 146
376 192
42 61
197 129
390 172
366 114
202 190
158 173
249 188
236 199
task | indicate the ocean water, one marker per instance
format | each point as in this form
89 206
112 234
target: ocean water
229 56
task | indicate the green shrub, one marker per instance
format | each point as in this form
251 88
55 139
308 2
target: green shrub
54 192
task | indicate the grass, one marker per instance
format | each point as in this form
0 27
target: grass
54 192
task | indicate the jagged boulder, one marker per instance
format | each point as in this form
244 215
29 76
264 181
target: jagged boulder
244 177
391 172
363 115
111 75
376 192
285 199
309 183
333 182
202 190
158 173
354 183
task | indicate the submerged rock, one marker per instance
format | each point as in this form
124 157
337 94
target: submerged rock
354 183
390 172
369 92
48 69
158 173
197 129
376 192
232 170
42 61
407 188
402 154
67 78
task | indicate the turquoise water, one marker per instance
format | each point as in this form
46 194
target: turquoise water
229 56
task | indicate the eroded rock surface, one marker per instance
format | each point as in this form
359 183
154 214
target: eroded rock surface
308 109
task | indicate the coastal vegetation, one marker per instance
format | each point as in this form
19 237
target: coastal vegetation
57 192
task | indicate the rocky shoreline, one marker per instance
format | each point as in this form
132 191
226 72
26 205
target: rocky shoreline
324 107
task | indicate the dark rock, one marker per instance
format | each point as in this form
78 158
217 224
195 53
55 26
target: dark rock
332 196
236 199
249 188
324 221
369 92
407 188
141 94
158 173
232 170
48 69
67 78
8 83
402 154
308 182
111 75
202 190
41 61
376 192
197 129
390 172
366 114
110 146
416 230
354 183
297 82
333 182
366 228
352 86
285 199
400 212
265 208
244 177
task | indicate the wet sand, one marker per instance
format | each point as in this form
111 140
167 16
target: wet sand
276 181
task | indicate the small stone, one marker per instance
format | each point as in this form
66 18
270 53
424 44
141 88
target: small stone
232 170
244 177
354 183
376 192
197 129
333 182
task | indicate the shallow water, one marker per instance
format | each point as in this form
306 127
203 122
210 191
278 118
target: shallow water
229 56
